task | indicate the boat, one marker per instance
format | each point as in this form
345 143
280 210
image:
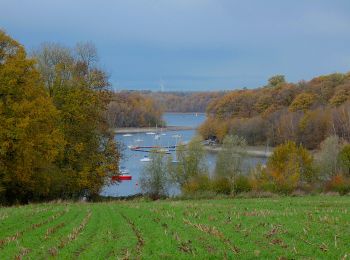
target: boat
145 159
123 176
150 133
138 140
157 137
132 147
176 136
123 170
127 135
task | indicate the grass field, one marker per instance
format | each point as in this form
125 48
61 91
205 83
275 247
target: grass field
295 227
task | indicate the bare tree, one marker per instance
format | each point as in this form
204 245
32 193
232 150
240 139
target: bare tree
230 158
86 52
49 56
154 177
327 159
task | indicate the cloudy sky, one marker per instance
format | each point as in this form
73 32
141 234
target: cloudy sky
192 44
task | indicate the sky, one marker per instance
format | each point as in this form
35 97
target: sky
197 45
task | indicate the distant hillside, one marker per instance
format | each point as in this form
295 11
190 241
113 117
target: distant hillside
305 112
183 101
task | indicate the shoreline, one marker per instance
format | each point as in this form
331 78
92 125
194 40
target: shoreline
131 130
254 151
190 113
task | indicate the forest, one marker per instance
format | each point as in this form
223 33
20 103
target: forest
305 112
132 109
54 138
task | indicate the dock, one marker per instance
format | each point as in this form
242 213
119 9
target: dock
134 130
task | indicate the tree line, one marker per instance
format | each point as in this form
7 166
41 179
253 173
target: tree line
145 108
132 109
54 138
182 101
291 169
305 112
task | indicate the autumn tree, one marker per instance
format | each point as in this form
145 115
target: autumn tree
302 102
79 90
31 141
290 166
276 80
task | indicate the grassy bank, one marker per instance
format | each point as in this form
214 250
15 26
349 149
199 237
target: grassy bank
289 227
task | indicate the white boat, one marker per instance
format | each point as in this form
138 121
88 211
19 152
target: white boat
138 140
150 133
123 170
145 159
127 135
176 136
163 134
156 137
132 147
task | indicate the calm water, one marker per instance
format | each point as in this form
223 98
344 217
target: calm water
131 159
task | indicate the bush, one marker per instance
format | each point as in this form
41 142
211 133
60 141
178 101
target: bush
260 180
221 185
196 184
339 183
242 184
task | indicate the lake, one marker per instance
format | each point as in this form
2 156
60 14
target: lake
131 159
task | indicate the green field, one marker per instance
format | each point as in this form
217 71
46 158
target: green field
293 227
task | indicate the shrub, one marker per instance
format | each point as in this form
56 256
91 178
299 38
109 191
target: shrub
196 184
242 184
338 183
221 185
260 180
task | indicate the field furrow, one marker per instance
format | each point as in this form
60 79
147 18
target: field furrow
314 227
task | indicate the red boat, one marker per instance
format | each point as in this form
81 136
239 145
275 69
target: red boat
123 177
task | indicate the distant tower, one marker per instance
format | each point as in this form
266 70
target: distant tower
161 84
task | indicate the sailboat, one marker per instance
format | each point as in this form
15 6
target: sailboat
145 159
